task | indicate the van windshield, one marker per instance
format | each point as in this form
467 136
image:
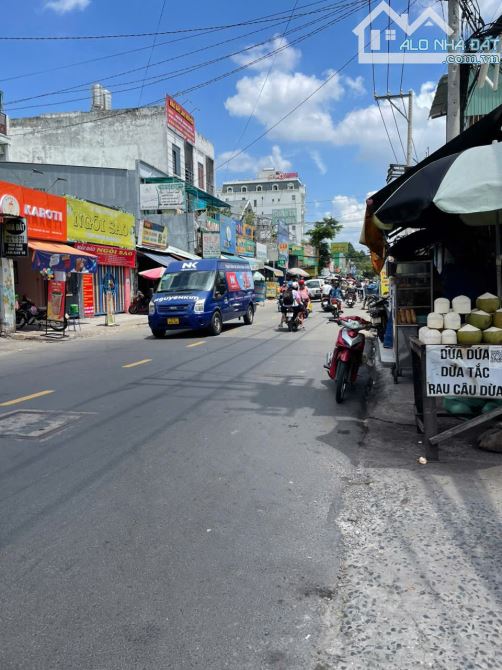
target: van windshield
174 282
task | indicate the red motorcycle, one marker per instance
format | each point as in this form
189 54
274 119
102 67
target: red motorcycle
344 363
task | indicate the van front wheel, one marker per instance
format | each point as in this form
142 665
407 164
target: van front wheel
249 316
216 324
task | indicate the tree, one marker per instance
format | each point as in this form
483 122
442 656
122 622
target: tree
361 261
319 236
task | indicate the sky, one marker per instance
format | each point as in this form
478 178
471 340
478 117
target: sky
336 139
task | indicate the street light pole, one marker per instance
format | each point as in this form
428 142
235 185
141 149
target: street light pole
453 96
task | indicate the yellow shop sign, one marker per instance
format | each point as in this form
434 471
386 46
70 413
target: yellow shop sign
88 222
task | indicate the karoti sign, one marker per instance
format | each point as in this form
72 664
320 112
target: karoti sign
180 120
14 237
464 372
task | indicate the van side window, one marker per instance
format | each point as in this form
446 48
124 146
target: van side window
220 285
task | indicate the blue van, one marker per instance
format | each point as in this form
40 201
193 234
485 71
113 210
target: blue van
202 294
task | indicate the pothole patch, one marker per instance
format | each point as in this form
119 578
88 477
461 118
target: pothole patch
33 424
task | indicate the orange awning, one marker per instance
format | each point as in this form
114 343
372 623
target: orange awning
57 248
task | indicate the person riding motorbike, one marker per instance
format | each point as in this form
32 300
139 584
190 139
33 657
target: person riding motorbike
286 299
304 296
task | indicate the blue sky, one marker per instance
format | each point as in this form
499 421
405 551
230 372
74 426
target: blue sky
336 141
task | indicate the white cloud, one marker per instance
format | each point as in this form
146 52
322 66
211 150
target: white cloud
350 212
320 164
286 59
244 162
65 6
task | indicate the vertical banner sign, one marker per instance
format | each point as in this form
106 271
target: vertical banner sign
211 245
56 300
14 237
283 244
109 287
88 294
181 121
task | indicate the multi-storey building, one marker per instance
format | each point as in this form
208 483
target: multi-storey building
276 196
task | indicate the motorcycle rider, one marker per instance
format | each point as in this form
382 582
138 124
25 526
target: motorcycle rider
298 306
304 295
287 299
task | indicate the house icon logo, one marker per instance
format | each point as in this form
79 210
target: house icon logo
384 36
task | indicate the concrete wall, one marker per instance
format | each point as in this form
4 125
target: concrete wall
181 229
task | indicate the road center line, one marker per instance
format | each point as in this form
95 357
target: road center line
133 365
195 344
24 398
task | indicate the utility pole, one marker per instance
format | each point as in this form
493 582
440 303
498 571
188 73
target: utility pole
453 99
408 116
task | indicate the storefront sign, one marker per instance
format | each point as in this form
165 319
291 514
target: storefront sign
283 244
56 300
283 175
109 255
152 235
261 251
339 247
165 195
97 224
245 229
88 295
244 246
45 213
180 120
13 237
465 372
272 252
227 235
384 283
211 245
272 288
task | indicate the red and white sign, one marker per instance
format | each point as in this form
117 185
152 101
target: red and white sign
283 175
45 213
88 294
109 255
180 120
56 300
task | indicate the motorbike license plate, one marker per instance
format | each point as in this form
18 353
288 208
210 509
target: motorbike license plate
376 320
173 321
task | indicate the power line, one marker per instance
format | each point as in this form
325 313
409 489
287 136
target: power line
151 51
398 131
59 38
386 131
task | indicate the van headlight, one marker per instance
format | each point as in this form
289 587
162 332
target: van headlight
151 307
199 306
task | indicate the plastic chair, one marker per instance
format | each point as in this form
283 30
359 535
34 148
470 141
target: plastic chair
74 317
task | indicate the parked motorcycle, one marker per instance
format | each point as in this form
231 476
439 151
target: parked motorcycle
344 362
28 314
139 304
378 311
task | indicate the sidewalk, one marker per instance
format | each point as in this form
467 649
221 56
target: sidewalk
421 581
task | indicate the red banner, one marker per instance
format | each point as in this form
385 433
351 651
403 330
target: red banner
88 294
180 120
56 300
109 255
45 213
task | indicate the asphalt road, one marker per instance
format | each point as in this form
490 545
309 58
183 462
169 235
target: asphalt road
180 510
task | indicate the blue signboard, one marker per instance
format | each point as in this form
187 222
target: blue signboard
227 235
283 244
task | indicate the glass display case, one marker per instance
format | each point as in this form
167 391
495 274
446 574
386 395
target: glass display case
412 301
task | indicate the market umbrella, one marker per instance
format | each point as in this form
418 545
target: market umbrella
154 274
257 276
297 272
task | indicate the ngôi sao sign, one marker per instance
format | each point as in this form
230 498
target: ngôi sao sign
107 255
45 213
464 372
97 224
181 121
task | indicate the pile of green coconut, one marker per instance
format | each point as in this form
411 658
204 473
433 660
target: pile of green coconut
458 323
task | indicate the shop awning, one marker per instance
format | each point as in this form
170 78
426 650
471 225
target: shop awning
253 262
61 258
161 259
276 271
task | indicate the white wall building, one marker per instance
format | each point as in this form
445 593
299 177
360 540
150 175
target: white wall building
118 138
279 196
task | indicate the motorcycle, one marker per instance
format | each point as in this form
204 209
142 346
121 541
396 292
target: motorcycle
325 303
292 319
350 299
378 311
28 314
335 308
139 304
344 362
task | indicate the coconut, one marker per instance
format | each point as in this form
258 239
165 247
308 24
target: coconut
497 318
492 335
432 337
448 337
469 335
435 321
488 302
480 319
461 304
452 321
441 305
421 333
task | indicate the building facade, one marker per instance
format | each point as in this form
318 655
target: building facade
276 196
163 136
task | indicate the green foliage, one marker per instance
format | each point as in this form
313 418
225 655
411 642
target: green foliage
362 262
320 235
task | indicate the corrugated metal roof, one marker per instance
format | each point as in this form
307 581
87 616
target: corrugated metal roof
482 100
438 107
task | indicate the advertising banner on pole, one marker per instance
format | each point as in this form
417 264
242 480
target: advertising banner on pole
465 372
13 237
283 244
56 300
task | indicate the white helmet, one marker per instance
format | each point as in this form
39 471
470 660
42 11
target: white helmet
295 285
